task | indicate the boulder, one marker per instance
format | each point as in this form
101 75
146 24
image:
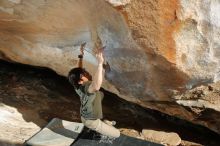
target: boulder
117 3
155 48
11 120
166 138
204 103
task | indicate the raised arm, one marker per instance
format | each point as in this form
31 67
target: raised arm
98 78
80 63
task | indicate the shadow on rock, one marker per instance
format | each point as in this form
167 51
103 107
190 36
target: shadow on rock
40 95
3 143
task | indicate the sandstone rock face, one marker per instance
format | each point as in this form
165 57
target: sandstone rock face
154 47
197 43
118 2
48 33
11 119
165 138
204 103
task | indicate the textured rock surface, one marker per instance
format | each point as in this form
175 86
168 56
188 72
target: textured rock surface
204 103
118 2
12 120
154 47
166 138
197 43
45 35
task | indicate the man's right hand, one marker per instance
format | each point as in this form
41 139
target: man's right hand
98 77
100 58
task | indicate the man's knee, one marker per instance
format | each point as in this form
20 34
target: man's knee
101 127
91 124
107 130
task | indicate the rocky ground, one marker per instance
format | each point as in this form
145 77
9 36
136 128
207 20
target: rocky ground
30 97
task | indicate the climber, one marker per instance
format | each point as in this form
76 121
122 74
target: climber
90 96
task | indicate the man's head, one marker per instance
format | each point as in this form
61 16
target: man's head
78 76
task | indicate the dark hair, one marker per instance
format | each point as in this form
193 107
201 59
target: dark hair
74 76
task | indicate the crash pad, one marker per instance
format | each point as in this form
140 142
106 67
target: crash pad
57 133
92 138
65 133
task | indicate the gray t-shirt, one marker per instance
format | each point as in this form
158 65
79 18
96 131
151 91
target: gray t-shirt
91 103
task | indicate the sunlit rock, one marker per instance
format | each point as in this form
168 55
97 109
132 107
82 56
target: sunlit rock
197 43
166 138
12 119
155 48
204 102
118 2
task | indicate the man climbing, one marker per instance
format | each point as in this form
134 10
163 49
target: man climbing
90 96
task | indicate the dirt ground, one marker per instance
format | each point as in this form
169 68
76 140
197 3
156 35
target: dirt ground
30 97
